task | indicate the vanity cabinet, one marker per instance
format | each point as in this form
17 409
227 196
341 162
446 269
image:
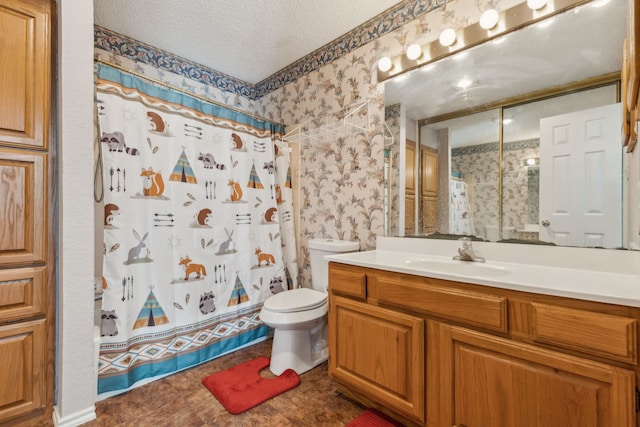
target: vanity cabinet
484 380
433 352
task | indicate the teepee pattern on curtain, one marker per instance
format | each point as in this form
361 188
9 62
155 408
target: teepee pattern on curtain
198 229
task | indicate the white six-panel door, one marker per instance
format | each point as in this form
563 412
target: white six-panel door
581 178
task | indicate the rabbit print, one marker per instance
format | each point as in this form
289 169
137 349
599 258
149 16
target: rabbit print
134 252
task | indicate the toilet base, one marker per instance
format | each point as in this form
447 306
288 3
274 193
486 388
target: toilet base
294 349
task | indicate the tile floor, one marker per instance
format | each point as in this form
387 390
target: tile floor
182 400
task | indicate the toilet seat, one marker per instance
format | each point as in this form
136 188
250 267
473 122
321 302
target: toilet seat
295 300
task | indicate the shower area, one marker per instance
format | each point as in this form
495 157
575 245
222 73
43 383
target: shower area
195 223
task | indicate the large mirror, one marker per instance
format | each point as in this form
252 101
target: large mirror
483 145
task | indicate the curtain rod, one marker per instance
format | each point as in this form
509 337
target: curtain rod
170 86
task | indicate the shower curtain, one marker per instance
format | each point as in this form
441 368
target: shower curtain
460 216
198 229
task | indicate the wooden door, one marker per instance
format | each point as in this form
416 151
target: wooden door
380 353
487 381
581 178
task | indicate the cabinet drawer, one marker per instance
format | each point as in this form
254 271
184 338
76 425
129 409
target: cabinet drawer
347 280
22 292
599 334
427 296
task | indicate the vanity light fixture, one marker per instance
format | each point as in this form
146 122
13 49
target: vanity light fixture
487 27
489 19
531 161
384 64
536 4
505 120
414 51
447 37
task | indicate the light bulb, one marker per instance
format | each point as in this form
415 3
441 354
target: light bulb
536 4
489 19
414 51
447 37
463 83
384 64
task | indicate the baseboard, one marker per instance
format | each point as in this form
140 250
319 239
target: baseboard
75 419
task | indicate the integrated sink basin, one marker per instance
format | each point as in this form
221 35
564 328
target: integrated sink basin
538 273
466 268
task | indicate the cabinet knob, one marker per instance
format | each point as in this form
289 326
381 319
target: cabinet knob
545 223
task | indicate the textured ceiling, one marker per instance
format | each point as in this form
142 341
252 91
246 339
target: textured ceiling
246 39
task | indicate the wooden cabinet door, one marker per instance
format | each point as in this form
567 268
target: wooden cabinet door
25 89
487 381
23 202
410 168
409 215
429 190
379 353
22 355
429 215
429 171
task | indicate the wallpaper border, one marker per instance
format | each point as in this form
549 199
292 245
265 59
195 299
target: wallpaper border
384 23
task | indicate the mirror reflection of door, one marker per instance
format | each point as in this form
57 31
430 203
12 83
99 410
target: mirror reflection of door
429 190
533 173
581 178
410 189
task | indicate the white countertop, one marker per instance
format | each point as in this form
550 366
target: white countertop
592 285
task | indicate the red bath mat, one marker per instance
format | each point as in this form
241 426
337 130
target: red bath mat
373 418
241 387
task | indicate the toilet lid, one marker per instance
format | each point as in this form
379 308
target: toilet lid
295 300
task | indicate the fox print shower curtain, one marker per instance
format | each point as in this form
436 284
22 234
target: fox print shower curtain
198 228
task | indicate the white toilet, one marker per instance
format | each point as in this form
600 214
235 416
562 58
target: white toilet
299 316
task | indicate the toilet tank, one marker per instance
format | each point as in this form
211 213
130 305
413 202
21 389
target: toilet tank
318 248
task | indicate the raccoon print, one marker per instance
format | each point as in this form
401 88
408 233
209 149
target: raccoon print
209 162
269 167
108 325
276 285
115 142
207 305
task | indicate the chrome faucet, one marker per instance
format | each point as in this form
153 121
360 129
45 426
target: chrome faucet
465 253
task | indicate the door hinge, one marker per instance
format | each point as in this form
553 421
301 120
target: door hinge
637 400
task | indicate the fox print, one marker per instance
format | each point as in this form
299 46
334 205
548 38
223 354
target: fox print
153 184
262 256
189 268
